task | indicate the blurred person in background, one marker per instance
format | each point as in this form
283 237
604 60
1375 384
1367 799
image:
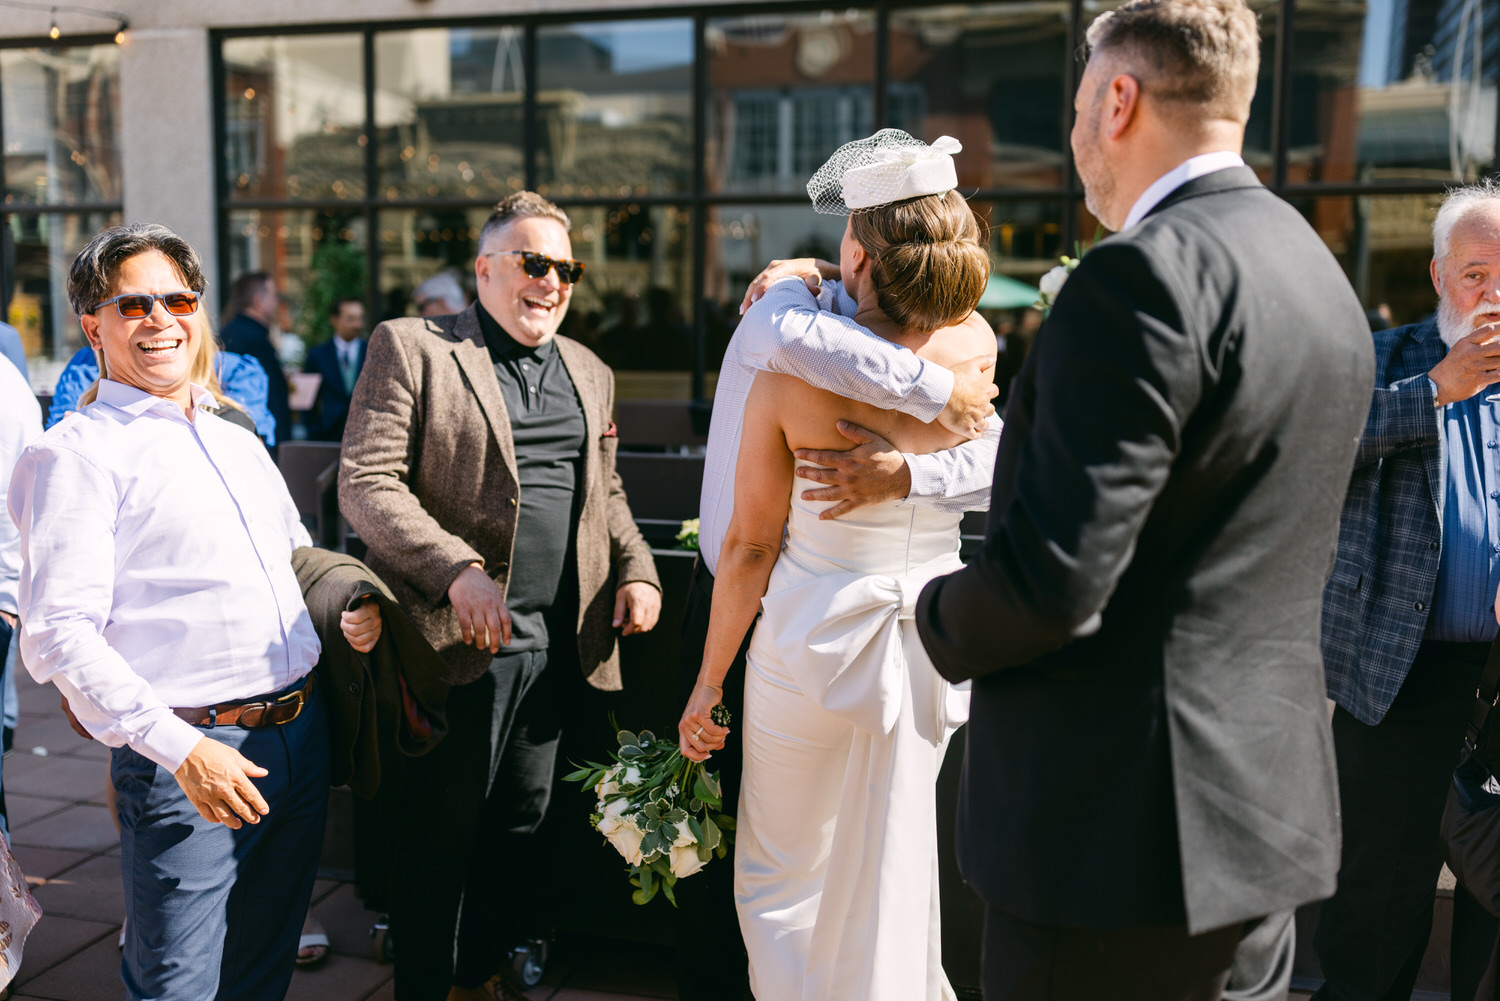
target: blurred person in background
440 295
251 310
338 361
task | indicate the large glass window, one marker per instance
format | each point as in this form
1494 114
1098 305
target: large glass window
294 113
615 109
449 117
991 76
1384 243
61 117
598 113
44 246
1393 90
315 256
785 91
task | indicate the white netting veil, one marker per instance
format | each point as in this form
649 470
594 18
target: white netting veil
889 166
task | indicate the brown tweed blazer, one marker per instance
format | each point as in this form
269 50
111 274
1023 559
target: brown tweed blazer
428 480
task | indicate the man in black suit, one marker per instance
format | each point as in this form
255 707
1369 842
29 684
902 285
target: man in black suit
1149 774
338 361
252 308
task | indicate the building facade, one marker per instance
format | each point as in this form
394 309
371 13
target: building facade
361 156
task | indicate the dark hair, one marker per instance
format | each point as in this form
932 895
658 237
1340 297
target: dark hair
91 279
926 263
243 290
521 205
337 306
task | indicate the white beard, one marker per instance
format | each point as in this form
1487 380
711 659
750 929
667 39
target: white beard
1453 327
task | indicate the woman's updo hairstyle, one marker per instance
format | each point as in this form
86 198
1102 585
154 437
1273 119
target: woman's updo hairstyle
927 265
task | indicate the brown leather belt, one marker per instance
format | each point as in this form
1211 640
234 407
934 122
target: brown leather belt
252 715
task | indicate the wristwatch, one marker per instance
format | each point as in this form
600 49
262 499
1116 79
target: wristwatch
1436 405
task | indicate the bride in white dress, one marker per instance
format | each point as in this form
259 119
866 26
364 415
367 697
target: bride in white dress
845 721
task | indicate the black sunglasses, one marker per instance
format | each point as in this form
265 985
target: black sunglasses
136 305
536 265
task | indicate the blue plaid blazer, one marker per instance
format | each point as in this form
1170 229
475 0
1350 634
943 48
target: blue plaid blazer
1377 599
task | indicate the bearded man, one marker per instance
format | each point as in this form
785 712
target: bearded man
1409 615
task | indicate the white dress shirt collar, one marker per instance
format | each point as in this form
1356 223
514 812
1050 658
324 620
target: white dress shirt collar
136 402
1187 170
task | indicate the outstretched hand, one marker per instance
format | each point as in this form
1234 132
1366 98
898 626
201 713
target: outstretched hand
697 733
869 473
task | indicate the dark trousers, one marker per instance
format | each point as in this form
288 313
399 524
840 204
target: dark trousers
213 912
467 808
1393 779
1024 961
711 961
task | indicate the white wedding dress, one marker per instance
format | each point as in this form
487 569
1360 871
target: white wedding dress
846 722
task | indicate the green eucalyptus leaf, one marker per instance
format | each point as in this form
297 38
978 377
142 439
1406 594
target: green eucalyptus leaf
704 852
696 828
578 776
666 888
711 835
725 821
625 737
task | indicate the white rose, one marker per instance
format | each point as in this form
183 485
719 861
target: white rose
615 807
684 836
1052 281
626 837
685 860
632 776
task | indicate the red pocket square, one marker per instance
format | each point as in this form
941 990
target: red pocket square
613 432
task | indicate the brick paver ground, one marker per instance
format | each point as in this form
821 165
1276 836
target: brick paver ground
66 843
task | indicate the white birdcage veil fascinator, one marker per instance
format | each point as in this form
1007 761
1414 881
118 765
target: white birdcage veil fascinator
890 166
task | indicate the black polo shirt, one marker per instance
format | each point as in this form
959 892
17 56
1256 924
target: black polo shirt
546 421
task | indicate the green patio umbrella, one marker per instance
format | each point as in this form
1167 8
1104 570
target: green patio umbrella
1007 293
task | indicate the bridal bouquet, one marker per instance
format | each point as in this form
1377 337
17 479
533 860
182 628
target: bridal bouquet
660 810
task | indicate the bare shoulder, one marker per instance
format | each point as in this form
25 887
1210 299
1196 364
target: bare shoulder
967 339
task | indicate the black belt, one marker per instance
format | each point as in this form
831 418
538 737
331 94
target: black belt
251 714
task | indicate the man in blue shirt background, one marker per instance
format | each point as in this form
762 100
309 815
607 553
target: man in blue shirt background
1409 616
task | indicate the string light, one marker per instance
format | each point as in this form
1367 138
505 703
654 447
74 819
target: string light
53 31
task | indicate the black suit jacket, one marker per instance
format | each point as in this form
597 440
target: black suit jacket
247 336
325 421
1149 741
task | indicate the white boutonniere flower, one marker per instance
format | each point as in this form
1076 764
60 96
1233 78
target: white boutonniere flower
1052 283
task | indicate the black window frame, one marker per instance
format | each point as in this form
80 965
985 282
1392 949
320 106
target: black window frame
698 199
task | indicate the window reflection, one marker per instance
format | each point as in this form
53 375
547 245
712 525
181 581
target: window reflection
786 91
1384 244
294 112
614 108
991 76
1393 90
449 118
61 112
416 244
44 247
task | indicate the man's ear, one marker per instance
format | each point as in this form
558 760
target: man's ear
1123 104
481 269
90 324
1437 277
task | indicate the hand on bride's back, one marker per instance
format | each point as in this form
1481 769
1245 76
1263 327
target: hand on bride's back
697 733
969 405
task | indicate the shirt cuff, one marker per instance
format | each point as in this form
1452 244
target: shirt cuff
929 394
168 741
926 477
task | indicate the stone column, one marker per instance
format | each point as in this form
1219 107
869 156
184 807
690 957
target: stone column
166 137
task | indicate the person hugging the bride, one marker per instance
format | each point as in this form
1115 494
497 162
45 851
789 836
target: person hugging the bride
846 721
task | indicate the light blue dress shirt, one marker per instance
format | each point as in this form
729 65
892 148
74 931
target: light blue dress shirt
1463 603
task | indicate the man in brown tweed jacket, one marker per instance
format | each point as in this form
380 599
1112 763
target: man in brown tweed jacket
479 466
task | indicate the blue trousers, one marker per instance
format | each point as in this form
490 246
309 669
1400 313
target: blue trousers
215 913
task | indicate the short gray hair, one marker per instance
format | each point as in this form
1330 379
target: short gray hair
91 279
1459 204
444 287
521 205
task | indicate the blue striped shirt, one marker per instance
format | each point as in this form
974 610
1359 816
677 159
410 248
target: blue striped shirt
1463 604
